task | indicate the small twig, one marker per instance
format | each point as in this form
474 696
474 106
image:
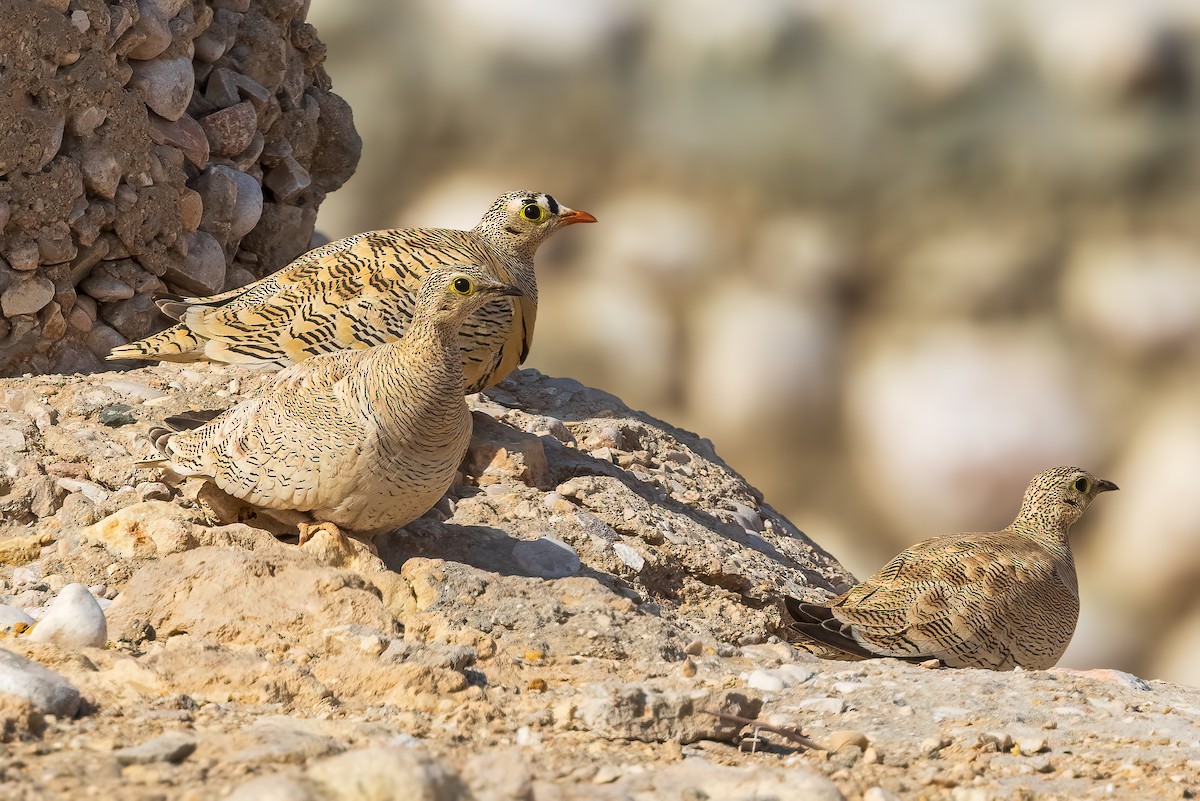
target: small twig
791 734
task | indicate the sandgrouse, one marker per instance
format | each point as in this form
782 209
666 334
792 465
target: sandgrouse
363 439
994 600
359 291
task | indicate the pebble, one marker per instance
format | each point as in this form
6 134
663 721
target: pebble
1030 744
48 691
89 489
287 180
248 208
165 84
275 788
747 518
632 559
824 706
795 674
765 680
11 615
105 288
845 738
173 747
932 744
546 557
134 389
117 414
11 440
230 130
204 272
157 35
101 173
376 773
27 296
154 491
879 794
498 775
183 133
73 620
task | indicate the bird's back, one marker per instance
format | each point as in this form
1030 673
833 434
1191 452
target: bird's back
353 293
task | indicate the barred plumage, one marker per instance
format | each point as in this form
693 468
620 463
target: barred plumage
358 292
364 439
994 600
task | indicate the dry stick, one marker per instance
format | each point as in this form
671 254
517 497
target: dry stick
792 734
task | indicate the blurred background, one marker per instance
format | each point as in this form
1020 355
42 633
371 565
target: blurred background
893 258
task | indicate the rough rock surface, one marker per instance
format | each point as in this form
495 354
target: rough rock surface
136 139
563 625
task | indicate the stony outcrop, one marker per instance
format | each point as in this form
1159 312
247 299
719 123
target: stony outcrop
587 615
179 145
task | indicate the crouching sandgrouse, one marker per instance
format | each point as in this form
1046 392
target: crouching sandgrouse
988 600
366 440
359 291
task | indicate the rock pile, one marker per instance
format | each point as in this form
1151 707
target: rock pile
178 145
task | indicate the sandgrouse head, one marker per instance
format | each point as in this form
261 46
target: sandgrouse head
1057 498
520 221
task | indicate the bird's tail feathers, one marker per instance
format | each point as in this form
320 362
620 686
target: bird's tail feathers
816 623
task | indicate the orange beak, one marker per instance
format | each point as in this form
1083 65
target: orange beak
569 216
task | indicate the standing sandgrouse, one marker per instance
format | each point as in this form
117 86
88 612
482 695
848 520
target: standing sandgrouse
987 600
359 291
367 439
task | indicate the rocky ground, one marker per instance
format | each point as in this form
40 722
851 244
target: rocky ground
586 615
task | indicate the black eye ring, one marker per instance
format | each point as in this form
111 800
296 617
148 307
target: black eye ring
532 212
1081 484
462 285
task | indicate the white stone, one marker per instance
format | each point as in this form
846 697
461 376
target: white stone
134 389
765 680
824 706
795 674
629 556
74 620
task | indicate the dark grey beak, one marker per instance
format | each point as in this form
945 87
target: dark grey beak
1105 486
505 290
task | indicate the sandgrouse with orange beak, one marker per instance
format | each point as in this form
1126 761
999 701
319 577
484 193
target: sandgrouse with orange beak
359 291
994 600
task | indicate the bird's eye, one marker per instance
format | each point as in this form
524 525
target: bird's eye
1081 484
462 286
533 212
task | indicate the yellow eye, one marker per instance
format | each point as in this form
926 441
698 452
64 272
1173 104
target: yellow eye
462 286
533 212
